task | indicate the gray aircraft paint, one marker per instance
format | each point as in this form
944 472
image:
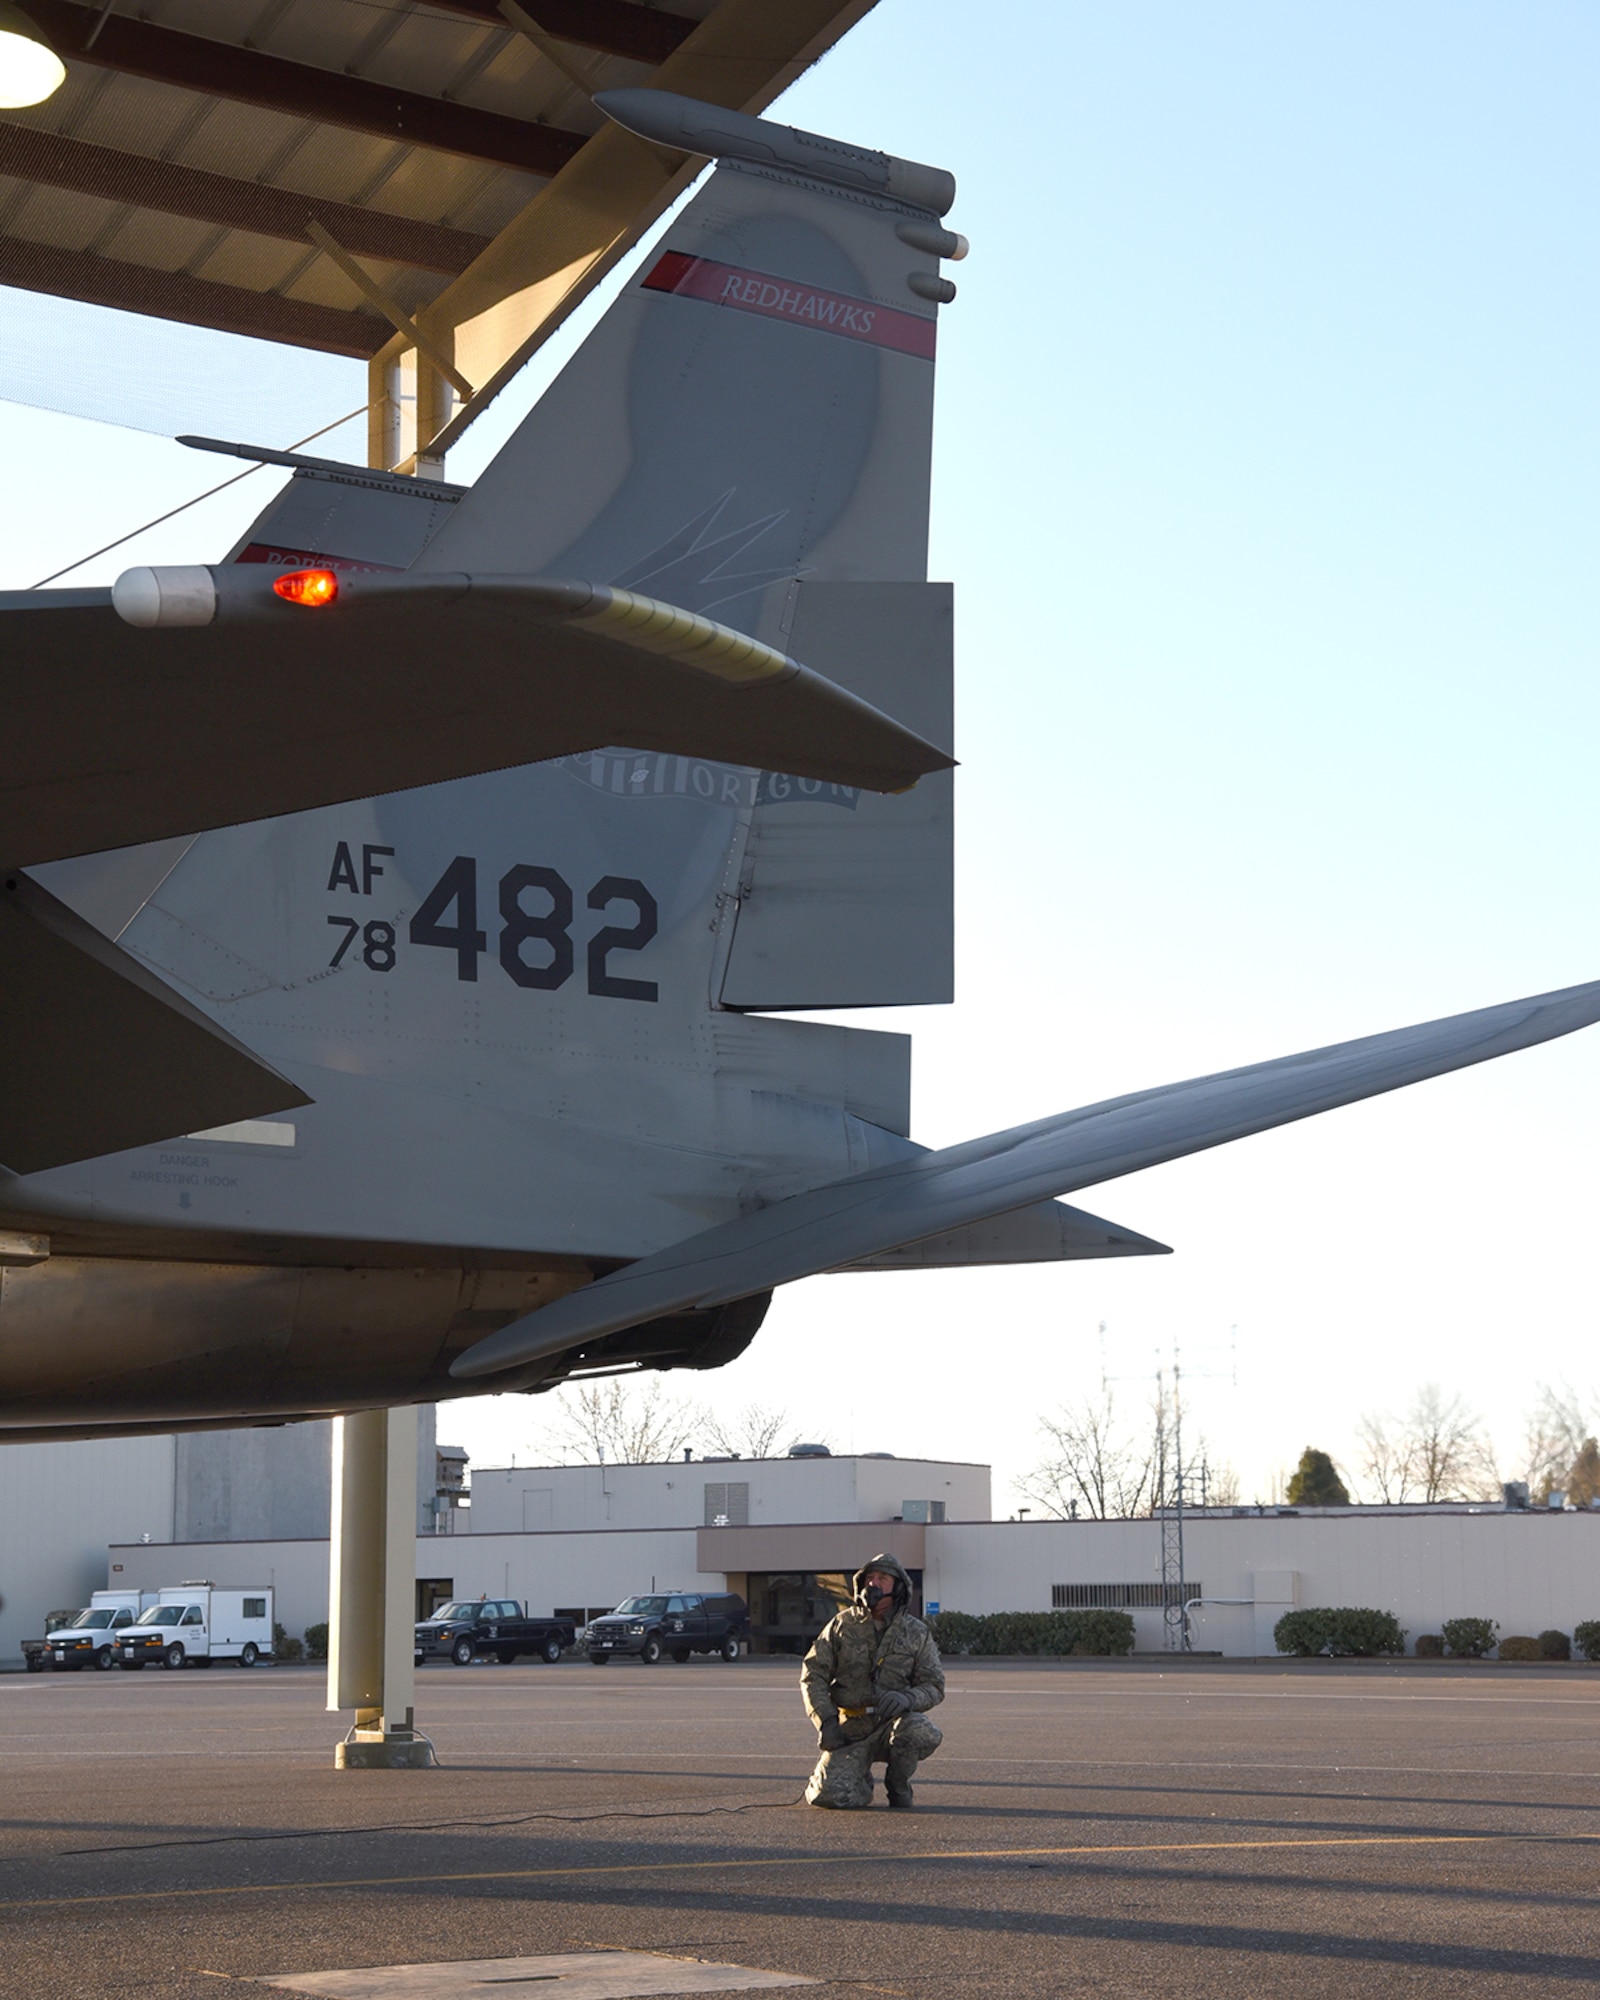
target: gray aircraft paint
727 461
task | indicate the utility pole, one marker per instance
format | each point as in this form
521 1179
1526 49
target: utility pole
1174 1589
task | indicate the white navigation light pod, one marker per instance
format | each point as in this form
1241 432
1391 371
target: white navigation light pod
183 594
30 70
934 239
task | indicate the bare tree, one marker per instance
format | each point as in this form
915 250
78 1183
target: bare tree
1454 1461
1092 1466
752 1432
625 1422
1387 1460
1436 1451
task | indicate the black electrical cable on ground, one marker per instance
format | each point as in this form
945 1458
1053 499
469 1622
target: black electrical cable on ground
436 1826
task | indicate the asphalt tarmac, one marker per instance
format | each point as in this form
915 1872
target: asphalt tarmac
1203 1829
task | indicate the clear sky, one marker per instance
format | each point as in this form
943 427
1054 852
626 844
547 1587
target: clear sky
1267 429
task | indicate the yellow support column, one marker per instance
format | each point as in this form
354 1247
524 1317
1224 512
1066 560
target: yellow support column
372 1590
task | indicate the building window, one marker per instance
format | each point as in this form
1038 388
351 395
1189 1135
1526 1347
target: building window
1121 1596
727 1503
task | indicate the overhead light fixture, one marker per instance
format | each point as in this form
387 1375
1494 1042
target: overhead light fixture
30 70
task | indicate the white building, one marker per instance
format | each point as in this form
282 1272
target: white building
785 1533
725 1492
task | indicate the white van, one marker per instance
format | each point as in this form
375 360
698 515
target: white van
89 1639
200 1622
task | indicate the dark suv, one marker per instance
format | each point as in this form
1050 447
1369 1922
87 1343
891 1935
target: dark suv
674 1622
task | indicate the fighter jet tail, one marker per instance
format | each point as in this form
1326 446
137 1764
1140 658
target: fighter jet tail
872 1213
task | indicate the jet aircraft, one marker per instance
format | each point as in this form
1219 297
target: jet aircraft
472 1071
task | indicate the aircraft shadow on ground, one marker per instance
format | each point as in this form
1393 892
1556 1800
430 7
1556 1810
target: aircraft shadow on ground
1323 1946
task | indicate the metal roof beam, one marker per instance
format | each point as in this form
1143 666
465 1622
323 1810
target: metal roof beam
49 160
299 90
613 27
111 281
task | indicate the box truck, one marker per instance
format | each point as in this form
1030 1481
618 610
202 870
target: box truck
196 1623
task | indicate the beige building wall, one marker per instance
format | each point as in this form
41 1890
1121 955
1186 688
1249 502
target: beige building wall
1530 1571
690 1493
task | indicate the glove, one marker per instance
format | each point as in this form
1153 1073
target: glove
889 1702
831 1736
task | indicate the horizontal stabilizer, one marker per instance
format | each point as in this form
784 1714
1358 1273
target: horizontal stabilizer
1047 1232
203 698
99 1054
876 1212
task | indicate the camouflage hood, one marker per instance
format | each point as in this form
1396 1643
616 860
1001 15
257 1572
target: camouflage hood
891 1567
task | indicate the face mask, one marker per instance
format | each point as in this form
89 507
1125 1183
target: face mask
875 1596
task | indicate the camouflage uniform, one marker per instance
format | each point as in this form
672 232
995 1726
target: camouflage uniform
852 1663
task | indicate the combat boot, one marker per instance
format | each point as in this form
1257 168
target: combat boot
900 1795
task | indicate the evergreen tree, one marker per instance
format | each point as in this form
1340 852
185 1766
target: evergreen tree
1315 1483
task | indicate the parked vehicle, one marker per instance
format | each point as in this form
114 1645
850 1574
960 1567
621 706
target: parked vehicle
495 1628
673 1622
89 1637
36 1652
196 1623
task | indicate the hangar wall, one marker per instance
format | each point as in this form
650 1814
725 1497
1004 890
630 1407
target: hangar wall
62 1504
59 1504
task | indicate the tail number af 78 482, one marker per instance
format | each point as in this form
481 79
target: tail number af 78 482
535 945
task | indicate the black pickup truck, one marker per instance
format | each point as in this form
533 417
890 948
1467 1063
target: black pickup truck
493 1628
674 1622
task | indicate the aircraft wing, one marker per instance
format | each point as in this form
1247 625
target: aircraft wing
100 1054
194 698
872 1213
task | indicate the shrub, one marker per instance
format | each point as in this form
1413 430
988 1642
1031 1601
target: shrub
1586 1637
1517 1647
1349 1632
316 1642
1050 1633
1430 1645
1105 1633
955 1631
285 1649
1554 1646
1469 1638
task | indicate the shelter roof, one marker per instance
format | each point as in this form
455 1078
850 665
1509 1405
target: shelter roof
361 176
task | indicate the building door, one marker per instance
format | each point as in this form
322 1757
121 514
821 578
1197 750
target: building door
432 1591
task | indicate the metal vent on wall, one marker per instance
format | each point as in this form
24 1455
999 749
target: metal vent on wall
1121 1596
727 1503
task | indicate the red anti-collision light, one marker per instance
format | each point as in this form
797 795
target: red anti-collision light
307 586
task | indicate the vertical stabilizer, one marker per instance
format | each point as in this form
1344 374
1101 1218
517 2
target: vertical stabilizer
757 404
749 434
